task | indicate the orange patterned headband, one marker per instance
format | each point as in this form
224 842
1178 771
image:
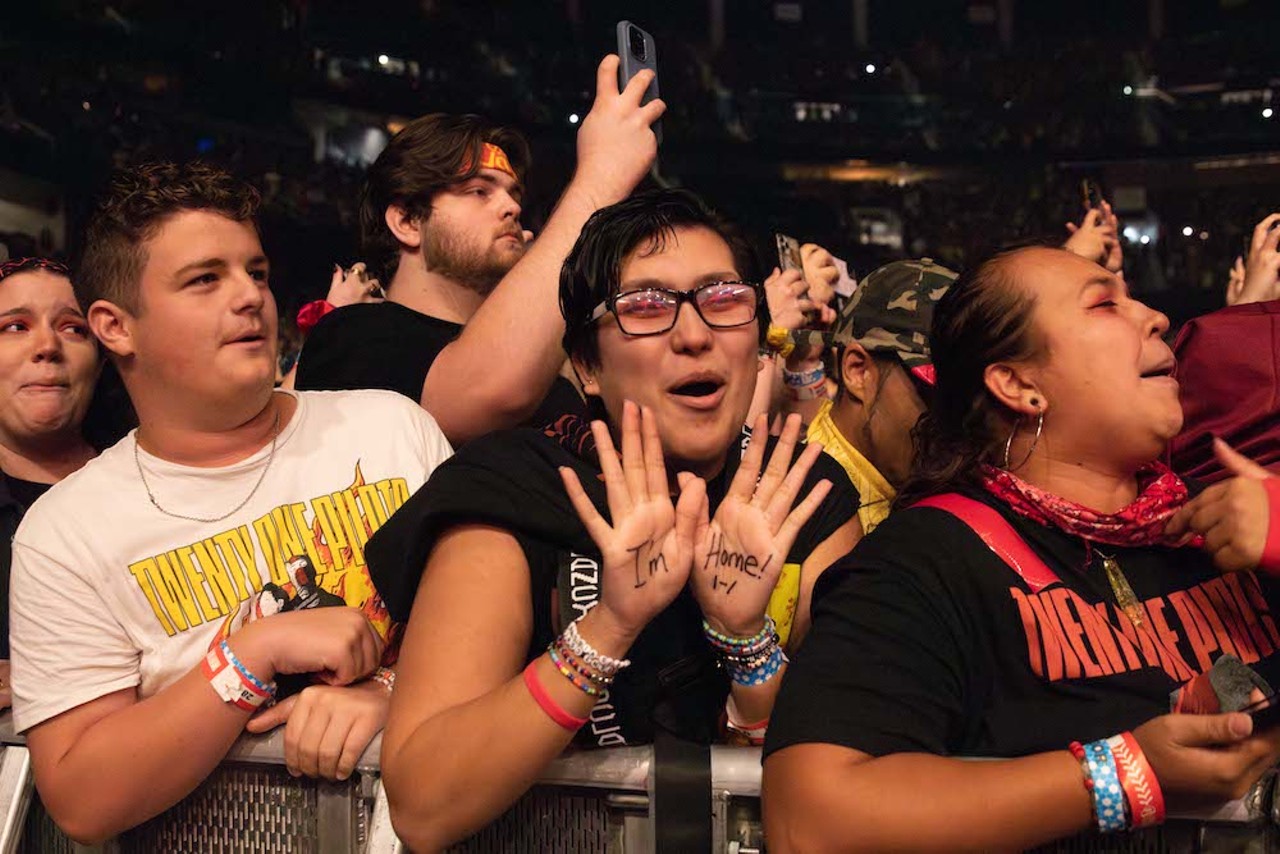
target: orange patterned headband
492 157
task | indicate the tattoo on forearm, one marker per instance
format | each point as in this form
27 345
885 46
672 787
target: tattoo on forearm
719 559
652 565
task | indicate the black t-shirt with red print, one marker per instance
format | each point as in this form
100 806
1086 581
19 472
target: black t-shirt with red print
923 640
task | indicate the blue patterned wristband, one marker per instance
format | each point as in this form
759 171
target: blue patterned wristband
761 674
1108 796
268 688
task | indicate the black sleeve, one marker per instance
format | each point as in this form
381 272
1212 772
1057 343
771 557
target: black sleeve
354 348
884 668
840 505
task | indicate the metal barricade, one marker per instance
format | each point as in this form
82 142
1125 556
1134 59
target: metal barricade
596 801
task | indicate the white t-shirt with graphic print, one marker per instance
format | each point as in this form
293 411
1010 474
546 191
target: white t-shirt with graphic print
107 592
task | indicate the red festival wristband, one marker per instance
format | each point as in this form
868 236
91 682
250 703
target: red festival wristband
1141 788
545 701
309 315
1271 551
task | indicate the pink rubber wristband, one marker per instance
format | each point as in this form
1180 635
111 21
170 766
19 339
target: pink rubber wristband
546 703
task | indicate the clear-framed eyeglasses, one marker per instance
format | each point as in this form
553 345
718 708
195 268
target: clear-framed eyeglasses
653 311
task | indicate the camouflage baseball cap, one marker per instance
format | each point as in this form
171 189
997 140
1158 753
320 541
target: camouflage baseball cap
892 309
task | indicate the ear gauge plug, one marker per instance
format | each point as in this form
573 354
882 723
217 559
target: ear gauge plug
1035 401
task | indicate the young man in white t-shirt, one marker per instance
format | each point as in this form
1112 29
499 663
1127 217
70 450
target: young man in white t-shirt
160 592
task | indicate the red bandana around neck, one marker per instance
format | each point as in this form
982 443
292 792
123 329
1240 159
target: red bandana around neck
1141 523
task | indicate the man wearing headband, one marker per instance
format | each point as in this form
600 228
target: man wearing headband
885 371
466 290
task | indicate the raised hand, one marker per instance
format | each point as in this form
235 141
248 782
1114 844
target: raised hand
353 285
1262 267
647 550
790 303
616 143
822 274
1233 515
741 551
1235 281
1097 238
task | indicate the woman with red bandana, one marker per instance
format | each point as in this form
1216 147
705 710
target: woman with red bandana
49 363
1045 596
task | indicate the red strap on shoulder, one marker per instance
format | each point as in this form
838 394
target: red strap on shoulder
999 536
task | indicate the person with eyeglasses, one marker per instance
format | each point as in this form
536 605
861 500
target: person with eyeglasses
559 592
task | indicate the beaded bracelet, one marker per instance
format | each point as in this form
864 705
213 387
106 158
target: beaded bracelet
566 655
741 646
594 659
800 379
755 662
752 676
386 677
567 672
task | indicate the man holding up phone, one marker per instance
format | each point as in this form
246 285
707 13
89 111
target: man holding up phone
466 287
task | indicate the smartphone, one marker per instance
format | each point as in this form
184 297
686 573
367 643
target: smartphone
1090 194
1265 712
788 252
637 51
789 259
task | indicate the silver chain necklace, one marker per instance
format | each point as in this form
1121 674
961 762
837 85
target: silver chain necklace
275 435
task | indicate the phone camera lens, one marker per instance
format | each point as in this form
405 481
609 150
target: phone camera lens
636 39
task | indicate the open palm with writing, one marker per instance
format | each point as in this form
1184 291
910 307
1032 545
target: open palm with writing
647 551
739 554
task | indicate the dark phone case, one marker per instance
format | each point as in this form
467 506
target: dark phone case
1265 712
630 66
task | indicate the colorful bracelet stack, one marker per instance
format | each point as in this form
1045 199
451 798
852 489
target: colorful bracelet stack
806 385
234 682
750 661
386 677
589 670
1126 794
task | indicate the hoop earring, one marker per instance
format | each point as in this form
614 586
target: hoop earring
1008 445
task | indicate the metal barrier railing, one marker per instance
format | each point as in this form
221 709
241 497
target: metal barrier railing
585 801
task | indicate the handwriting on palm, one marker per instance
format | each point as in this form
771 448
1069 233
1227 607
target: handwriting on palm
738 555
647 552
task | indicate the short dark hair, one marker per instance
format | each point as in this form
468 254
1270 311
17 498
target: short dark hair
135 205
429 154
592 271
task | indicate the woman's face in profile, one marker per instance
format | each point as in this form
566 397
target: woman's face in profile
1106 378
48 358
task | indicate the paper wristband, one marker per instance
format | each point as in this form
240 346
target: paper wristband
754 733
1141 788
1108 797
545 701
1271 551
228 684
